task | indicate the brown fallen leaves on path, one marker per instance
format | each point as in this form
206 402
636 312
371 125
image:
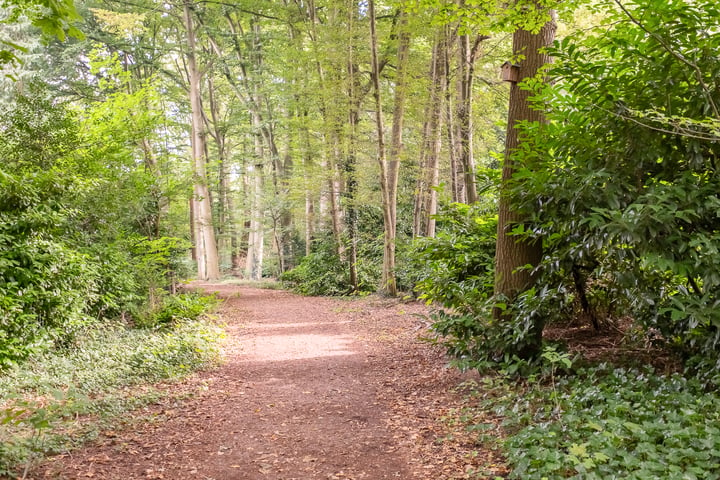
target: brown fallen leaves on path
310 388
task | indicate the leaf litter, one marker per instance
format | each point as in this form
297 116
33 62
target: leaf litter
310 388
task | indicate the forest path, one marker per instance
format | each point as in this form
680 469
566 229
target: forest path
310 388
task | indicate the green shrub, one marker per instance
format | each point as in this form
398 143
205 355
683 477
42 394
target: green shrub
455 272
624 181
613 423
322 273
455 268
45 291
41 397
172 310
70 210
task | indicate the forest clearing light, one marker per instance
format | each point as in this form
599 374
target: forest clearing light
284 347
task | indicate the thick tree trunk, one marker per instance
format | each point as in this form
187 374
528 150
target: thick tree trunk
513 255
206 248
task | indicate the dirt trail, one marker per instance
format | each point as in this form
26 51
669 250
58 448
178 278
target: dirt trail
311 388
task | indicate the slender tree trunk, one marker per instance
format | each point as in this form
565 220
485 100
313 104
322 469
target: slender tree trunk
436 127
468 55
193 243
514 255
226 225
389 167
421 184
388 283
428 177
256 233
309 199
309 222
351 156
457 183
151 223
206 248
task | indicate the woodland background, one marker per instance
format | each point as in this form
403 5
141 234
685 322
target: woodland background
348 147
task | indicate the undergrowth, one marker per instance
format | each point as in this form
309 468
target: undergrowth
57 399
606 423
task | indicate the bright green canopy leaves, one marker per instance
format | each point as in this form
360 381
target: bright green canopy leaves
55 18
74 213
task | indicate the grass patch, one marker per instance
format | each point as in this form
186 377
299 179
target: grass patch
56 400
604 423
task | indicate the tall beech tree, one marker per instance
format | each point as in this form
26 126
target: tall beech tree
389 167
206 253
426 196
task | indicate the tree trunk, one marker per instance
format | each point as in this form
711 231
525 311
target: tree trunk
351 155
227 232
428 177
206 248
389 167
457 184
468 52
256 233
513 255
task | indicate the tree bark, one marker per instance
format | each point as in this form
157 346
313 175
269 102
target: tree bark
468 52
428 177
206 248
389 166
227 231
513 256
350 160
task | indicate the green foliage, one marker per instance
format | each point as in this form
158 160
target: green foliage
41 398
54 18
612 423
455 268
322 273
491 16
624 180
68 252
175 309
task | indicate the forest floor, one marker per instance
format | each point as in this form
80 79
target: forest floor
309 388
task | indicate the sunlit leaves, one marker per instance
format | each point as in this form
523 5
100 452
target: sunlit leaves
55 18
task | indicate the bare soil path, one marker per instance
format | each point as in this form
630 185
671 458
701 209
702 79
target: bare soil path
310 388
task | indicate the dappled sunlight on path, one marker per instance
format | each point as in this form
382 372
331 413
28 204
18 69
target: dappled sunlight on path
309 388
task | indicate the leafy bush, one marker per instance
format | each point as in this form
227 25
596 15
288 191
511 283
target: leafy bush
455 268
323 273
41 395
172 310
612 423
45 285
624 189
455 271
69 252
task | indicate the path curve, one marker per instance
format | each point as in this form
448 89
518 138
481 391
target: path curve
310 388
